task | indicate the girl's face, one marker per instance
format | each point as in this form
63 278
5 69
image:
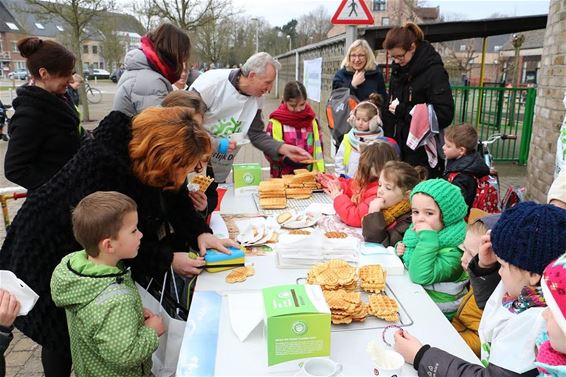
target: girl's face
389 192
296 105
362 119
425 210
515 279
470 247
556 336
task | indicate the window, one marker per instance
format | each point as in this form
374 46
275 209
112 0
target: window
95 65
85 49
497 48
12 26
20 64
101 65
14 46
379 5
39 26
462 48
95 49
384 21
60 28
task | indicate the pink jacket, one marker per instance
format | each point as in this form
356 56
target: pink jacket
349 212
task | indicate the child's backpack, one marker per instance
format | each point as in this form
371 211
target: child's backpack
338 108
487 193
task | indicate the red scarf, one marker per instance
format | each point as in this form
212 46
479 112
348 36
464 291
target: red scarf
301 119
165 69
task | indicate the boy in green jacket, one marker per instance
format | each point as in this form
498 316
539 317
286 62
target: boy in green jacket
111 333
430 247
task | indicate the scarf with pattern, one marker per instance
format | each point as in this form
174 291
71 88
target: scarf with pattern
395 211
362 137
529 298
450 236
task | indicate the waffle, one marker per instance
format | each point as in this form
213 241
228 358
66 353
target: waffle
301 232
332 275
303 177
202 181
308 161
300 171
335 235
345 306
372 278
285 216
240 274
273 203
383 307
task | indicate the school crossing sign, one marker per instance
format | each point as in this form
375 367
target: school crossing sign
353 12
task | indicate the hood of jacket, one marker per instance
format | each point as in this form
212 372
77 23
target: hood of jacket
424 57
136 60
56 106
469 164
77 281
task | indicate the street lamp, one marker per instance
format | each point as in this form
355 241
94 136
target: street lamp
256 34
289 38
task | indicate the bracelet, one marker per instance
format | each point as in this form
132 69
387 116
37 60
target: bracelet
223 146
385 330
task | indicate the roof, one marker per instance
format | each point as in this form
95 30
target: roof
427 13
6 16
492 42
533 39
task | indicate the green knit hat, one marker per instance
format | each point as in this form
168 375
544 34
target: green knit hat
448 198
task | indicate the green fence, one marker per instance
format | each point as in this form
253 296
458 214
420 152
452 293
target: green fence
498 110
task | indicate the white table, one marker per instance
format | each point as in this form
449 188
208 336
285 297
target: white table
210 346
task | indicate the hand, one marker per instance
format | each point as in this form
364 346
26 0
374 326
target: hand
325 179
9 308
376 205
294 153
155 322
232 144
147 313
200 201
421 226
209 241
185 266
333 189
400 248
393 105
486 255
359 78
407 345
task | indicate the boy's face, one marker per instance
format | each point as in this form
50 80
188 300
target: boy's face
555 334
515 279
451 151
127 243
470 247
425 213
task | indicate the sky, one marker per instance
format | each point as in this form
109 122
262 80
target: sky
279 12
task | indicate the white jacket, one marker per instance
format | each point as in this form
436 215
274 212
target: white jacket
352 168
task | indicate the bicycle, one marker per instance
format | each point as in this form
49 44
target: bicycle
93 95
513 195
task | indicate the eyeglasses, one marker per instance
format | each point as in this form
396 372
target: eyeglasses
399 57
357 56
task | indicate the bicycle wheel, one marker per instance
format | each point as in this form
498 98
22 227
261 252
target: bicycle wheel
94 95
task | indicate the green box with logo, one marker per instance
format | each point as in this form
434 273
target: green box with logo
246 177
298 324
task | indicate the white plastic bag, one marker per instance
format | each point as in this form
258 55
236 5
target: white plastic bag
25 295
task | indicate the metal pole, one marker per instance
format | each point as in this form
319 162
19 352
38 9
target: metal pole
351 35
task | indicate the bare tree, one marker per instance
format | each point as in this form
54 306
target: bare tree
313 26
460 55
214 38
403 10
190 15
145 12
76 15
112 46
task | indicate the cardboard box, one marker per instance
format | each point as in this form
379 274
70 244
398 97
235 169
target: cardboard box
246 178
215 259
297 321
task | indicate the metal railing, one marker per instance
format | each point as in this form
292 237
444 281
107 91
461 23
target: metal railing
498 109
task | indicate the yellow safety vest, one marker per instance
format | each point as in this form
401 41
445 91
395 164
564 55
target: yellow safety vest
277 132
347 150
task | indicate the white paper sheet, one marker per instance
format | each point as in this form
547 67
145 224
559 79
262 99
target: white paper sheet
246 312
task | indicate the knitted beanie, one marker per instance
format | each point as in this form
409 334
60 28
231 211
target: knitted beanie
530 235
554 290
448 198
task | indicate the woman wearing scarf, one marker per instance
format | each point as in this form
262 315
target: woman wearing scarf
294 123
152 69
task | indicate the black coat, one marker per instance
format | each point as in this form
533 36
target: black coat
374 83
422 80
44 135
41 233
469 168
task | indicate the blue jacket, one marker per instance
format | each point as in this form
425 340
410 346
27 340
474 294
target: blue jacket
374 83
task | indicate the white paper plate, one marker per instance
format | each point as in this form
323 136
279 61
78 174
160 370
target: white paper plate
300 221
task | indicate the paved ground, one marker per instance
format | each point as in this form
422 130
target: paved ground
23 355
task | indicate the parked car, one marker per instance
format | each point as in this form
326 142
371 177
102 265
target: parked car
20 73
98 73
116 74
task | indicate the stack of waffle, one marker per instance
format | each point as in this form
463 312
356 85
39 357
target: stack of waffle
372 278
272 194
383 307
346 306
333 275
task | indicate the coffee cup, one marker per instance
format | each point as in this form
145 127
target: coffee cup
389 365
320 366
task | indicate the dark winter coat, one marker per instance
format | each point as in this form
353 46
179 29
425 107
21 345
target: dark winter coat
470 168
375 230
44 135
422 80
41 234
374 83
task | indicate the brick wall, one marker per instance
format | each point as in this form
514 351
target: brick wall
549 109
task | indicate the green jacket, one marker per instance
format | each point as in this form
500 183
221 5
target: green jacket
104 317
439 271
